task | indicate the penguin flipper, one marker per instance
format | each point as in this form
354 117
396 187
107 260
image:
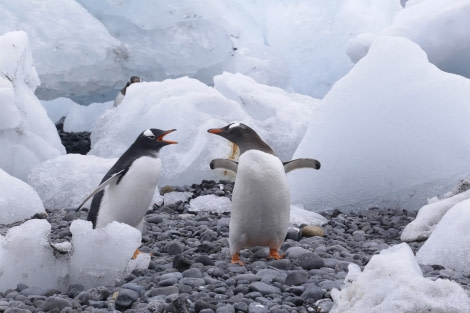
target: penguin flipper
103 185
225 164
301 163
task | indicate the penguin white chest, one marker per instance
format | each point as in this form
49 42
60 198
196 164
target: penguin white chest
129 199
260 202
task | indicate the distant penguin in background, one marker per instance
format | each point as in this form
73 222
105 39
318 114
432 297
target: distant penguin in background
126 191
260 211
122 92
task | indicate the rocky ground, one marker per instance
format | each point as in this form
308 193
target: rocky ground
190 270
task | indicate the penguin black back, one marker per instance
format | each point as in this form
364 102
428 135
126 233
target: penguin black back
147 144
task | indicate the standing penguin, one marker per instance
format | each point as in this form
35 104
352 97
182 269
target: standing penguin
122 92
260 211
126 191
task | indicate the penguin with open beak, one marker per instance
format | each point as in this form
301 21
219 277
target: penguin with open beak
126 191
260 210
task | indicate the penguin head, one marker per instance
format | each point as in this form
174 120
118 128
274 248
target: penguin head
243 136
152 139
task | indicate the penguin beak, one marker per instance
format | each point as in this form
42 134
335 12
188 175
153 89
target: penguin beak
215 130
160 138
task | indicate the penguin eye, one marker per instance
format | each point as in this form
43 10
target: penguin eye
149 134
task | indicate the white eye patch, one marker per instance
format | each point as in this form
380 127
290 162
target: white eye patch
234 125
148 133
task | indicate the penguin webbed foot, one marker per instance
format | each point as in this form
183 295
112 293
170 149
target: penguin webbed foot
137 252
236 259
274 254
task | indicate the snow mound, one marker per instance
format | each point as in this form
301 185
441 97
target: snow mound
448 243
429 216
66 181
211 203
100 256
18 200
393 282
28 136
380 147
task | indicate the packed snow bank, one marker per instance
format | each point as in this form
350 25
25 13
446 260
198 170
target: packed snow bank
18 200
439 27
66 181
429 216
192 108
78 118
448 244
393 282
27 135
380 147
161 40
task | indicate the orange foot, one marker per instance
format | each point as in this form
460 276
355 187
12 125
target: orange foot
236 259
274 254
137 252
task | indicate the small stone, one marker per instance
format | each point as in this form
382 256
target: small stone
296 278
133 286
181 263
204 260
304 258
175 248
20 287
293 234
125 298
257 308
16 310
192 272
74 290
228 308
205 304
55 303
193 282
265 289
313 293
33 291
166 189
164 291
311 231
282 264
157 219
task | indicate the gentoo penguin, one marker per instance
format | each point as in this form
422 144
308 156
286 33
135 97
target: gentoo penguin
261 198
122 92
126 191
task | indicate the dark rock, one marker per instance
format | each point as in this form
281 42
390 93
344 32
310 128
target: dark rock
296 278
175 248
313 293
55 303
125 298
181 263
74 290
264 289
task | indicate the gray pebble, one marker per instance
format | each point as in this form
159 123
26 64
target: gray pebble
55 303
33 291
264 289
175 247
296 278
125 298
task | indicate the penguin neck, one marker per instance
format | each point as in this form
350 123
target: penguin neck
258 145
